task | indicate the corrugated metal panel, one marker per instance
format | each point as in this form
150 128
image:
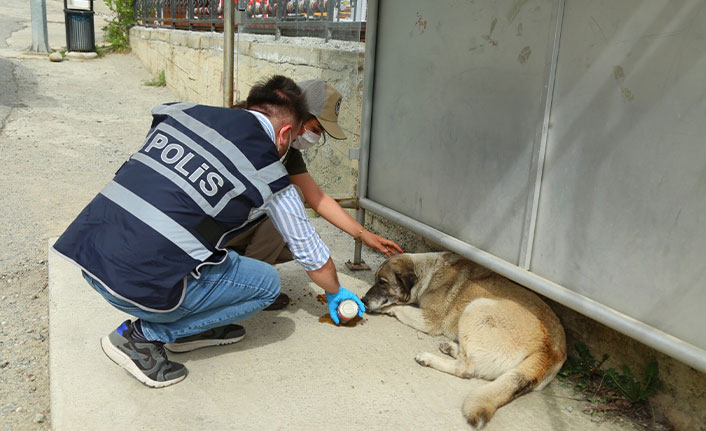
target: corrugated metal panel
456 149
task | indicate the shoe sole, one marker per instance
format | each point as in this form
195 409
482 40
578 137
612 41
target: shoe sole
193 345
121 359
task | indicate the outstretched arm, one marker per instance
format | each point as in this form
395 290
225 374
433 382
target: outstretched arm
329 209
326 277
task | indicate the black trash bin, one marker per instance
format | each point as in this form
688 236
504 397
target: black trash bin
80 35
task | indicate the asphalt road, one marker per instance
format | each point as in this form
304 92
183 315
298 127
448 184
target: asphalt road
64 130
8 81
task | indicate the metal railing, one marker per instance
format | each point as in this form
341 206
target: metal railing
329 19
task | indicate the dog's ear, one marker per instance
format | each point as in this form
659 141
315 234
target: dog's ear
407 280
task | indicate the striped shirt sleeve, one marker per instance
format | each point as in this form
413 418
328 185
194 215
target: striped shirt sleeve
286 211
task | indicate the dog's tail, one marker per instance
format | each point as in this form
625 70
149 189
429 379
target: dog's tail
481 404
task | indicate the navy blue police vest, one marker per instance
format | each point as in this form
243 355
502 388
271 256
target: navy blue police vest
198 181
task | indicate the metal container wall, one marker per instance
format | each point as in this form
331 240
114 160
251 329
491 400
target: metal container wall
457 104
622 212
565 137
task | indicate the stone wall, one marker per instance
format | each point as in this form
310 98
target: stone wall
193 66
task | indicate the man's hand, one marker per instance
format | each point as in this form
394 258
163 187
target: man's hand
334 299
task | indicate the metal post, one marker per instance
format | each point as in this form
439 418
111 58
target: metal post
278 17
241 16
136 12
329 18
360 7
190 14
228 53
40 38
366 123
212 14
173 12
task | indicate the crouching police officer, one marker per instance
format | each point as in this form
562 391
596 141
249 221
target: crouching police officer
152 241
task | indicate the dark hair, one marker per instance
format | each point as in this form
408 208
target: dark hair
278 96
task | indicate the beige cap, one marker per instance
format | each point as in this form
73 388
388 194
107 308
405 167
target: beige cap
324 103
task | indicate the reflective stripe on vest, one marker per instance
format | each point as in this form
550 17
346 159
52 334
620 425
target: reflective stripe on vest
201 175
156 219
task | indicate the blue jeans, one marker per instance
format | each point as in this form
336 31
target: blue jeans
234 290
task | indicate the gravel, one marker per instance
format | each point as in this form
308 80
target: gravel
70 126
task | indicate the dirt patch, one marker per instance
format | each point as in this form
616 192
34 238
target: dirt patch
69 126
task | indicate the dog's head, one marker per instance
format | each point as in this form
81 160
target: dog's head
394 281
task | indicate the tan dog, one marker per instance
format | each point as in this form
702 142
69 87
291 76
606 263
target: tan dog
500 330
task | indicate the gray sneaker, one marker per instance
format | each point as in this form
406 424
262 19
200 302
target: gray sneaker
146 361
220 336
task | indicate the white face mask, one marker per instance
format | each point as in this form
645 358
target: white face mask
307 140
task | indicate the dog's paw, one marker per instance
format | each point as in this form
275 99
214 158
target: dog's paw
448 348
390 311
424 359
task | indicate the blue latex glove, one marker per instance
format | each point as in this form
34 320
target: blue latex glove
336 298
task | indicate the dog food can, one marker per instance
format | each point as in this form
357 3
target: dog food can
347 310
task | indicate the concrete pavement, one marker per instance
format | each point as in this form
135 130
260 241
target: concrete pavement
291 372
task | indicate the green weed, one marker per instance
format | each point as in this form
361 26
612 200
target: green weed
582 368
101 51
118 27
609 391
634 390
159 81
